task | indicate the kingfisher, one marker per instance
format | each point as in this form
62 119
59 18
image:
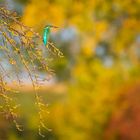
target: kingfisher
46 33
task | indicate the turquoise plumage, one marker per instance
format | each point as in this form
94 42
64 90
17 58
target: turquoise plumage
46 33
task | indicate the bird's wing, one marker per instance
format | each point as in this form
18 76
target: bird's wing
46 35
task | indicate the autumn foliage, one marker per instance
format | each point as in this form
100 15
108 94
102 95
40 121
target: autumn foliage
93 92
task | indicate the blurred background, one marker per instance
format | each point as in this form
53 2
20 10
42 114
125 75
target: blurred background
95 92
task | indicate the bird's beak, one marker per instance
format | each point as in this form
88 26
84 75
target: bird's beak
54 26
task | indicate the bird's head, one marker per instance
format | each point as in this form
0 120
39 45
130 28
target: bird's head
50 26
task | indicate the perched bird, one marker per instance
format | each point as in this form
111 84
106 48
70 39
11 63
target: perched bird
46 33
